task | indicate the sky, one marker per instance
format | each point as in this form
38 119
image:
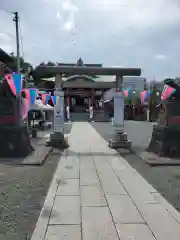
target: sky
121 33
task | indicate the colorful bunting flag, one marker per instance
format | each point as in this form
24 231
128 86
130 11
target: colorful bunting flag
144 96
27 94
128 92
43 96
25 108
32 95
53 99
167 92
47 98
15 82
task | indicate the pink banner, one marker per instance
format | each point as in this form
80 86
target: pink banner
25 108
167 92
126 93
10 81
44 98
15 82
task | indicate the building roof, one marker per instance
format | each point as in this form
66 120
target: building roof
83 81
74 77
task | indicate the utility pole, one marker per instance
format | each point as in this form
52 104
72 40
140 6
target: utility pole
19 105
16 20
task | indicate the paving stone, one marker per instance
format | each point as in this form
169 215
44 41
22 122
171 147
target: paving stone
88 174
97 224
123 209
89 178
160 221
125 173
112 187
92 196
174 213
68 187
110 183
134 231
86 163
66 210
70 167
118 165
137 187
63 232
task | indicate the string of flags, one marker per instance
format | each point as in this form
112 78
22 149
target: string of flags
144 96
15 82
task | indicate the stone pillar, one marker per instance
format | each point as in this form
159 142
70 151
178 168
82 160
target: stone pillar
119 139
67 98
57 139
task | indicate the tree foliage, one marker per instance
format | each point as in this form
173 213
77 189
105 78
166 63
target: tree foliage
25 66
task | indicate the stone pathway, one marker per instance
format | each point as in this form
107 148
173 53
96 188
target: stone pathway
96 195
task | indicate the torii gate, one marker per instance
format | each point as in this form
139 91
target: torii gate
120 138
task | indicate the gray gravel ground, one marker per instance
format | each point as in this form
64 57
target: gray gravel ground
22 193
165 179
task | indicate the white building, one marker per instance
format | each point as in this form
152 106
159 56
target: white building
137 83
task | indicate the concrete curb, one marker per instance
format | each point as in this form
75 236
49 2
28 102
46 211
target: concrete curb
38 157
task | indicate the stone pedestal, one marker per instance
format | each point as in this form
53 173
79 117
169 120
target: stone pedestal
57 140
119 140
165 141
14 142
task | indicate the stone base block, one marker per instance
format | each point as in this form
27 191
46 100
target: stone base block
120 141
58 141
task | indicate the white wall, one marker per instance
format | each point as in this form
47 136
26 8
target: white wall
137 83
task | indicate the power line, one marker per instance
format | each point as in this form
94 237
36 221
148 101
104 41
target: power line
7 11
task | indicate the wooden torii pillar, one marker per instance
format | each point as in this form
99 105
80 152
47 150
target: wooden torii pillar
120 138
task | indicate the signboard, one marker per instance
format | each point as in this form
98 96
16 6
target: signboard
59 111
119 109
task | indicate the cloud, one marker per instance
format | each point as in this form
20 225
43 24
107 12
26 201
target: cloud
5 42
69 24
58 15
161 57
69 6
133 33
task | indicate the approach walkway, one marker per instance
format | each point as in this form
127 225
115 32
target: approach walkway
96 195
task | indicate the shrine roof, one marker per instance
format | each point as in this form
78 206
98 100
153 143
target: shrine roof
73 78
83 81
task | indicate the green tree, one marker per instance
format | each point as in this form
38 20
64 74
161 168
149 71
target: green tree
25 66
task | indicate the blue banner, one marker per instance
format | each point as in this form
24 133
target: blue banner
32 93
